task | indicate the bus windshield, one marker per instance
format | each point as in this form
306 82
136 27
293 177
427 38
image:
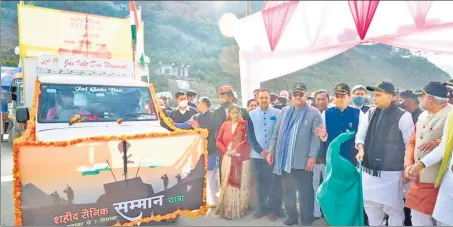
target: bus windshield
59 103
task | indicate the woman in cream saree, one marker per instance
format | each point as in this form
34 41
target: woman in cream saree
235 186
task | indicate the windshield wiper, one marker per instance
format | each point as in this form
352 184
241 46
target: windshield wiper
131 115
77 118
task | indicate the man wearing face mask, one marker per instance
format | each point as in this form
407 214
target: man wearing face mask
183 112
192 98
408 101
422 194
381 139
359 94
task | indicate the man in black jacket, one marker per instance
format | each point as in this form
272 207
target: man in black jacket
192 98
205 119
409 101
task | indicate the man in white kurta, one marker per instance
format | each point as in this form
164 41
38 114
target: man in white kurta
381 138
443 210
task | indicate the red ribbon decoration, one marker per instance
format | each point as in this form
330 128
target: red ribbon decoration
363 13
276 15
419 11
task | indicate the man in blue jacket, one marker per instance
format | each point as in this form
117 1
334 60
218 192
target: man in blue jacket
338 119
261 124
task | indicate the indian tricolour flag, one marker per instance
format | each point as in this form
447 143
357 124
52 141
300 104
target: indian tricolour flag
135 18
93 169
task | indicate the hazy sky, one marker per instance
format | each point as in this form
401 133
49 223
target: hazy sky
445 62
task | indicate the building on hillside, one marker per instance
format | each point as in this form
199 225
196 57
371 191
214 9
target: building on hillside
173 69
176 84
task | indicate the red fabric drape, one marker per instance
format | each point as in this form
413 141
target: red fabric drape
363 13
419 11
276 15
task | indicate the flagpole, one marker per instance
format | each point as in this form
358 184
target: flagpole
133 60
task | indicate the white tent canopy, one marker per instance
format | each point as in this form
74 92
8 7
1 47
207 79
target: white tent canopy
319 30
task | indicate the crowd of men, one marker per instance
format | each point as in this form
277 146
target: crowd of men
397 134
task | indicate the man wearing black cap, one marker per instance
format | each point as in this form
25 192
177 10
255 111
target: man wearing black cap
192 98
409 101
381 140
337 120
295 148
422 194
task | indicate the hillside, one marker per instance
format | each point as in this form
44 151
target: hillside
186 32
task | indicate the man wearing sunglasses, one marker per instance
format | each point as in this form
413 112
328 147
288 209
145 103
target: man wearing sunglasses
295 147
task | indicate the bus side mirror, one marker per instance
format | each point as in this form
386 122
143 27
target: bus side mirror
22 114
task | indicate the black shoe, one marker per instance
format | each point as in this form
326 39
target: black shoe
258 215
291 221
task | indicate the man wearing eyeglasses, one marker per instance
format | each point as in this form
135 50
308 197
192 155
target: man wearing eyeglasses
295 148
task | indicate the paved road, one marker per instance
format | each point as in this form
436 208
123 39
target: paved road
210 220
7 187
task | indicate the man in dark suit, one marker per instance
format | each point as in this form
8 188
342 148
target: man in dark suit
409 101
192 98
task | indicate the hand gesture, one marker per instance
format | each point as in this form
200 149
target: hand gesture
407 170
415 171
360 154
270 158
194 124
405 175
264 153
311 162
321 131
428 146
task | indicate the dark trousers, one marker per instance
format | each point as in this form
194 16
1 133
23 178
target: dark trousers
408 217
262 173
268 188
301 181
275 195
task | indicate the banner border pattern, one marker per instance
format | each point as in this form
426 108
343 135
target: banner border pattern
29 139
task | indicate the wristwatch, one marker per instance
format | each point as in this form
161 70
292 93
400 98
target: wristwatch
421 164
